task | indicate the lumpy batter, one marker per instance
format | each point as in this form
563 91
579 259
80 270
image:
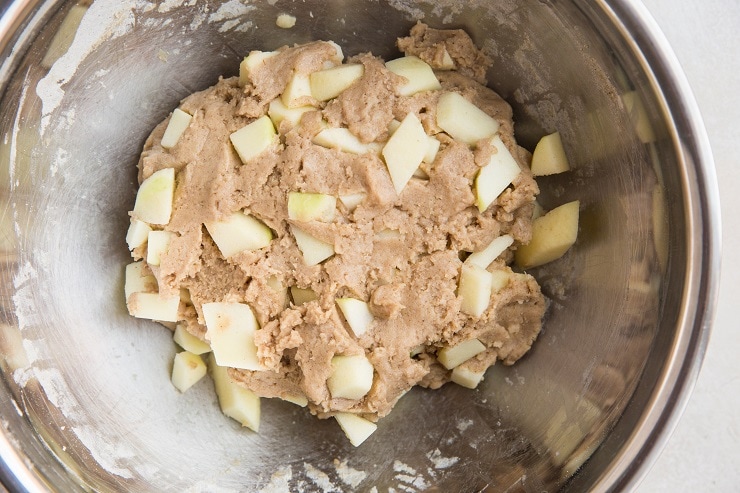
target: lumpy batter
401 253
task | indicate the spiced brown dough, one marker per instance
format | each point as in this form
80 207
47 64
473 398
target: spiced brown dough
400 253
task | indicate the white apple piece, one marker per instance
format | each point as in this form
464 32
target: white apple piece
639 117
447 62
187 370
276 285
139 279
453 356
432 149
236 402
405 150
420 76
311 206
179 122
239 232
499 280
537 211
351 378
152 306
251 63
330 83
494 177
230 329
154 199
351 201
463 120
314 250
416 350
344 140
253 139
302 295
475 288
466 377
549 156
188 341
297 92
137 234
298 400
484 258
552 235
157 245
285 21
278 112
357 428
356 313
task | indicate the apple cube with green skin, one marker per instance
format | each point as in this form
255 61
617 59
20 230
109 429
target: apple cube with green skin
236 402
278 112
453 356
139 279
188 341
552 235
494 177
230 329
351 377
356 313
344 140
405 150
297 92
253 139
463 120
420 76
187 370
330 83
485 257
357 428
157 245
474 289
466 377
239 232
314 250
153 306
302 295
549 156
155 196
137 234
251 63
179 122
311 206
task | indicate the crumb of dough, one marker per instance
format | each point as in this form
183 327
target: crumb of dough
400 253
285 21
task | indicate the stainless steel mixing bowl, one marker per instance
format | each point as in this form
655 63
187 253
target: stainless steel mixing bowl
85 397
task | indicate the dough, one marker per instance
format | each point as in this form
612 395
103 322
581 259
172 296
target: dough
400 253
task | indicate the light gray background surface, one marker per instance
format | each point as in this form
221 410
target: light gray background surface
703 454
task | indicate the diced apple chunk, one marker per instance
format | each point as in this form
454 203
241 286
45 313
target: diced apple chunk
282 291
188 341
187 370
552 235
314 250
152 306
302 295
239 232
356 313
484 258
357 428
463 120
494 177
278 112
298 400
418 73
251 64
549 156
179 122
311 206
405 151
154 198
236 402
157 245
453 356
344 140
351 377
432 149
330 83
139 279
137 234
500 279
447 62
230 332
352 201
475 288
297 92
466 377
253 139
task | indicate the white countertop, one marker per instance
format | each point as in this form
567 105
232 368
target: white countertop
703 454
